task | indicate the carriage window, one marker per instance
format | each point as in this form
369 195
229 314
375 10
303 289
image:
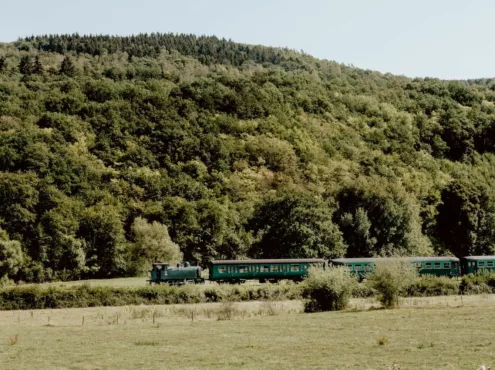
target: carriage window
438 265
221 269
285 268
294 268
243 269
349 267
265 268
418 265
489 264
481 264
367 267
358 267
428 265
446 265
274 268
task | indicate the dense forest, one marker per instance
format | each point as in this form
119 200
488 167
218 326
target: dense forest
229 151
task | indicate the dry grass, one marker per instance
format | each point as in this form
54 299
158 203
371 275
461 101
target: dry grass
425 333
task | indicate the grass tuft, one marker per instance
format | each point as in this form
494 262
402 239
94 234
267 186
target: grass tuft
382 341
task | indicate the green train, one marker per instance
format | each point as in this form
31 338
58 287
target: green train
274 270
235 271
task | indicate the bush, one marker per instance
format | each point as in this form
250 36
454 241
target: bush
431 285
391 279
482 281
328 290
362 290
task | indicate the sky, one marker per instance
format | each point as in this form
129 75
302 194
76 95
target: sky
449 39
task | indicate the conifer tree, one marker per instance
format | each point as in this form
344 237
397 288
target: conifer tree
67 67
3 64
26 65
38 67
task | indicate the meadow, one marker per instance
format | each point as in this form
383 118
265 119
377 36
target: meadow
451 332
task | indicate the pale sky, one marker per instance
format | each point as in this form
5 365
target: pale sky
451 39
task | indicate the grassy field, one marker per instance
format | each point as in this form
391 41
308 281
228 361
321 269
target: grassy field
425 333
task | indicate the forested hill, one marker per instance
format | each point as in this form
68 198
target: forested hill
239 150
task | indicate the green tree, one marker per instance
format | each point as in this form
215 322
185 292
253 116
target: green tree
466 219
152 243
67 67
26 65
295 225
11 259
3 63
392 278
379 218
101 228
37 66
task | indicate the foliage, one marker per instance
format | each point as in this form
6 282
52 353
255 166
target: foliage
295 225
11 258
327 290
242 151
466 219
392 278
431 286
36 297
152 243
482 281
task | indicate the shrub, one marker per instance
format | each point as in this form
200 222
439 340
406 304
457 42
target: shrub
391 279
362 290
482 281
431 285
328 290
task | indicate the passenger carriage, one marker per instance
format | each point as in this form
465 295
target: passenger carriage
238 271
439 266
472 264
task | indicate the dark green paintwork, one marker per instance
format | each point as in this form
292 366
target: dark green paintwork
182 274
472 264
241 270
439 266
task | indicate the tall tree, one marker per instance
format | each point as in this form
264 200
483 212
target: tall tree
466 219
67 67
152 243
37 66
3 63
26 65
295 225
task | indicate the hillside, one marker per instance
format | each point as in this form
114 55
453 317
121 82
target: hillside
241 151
